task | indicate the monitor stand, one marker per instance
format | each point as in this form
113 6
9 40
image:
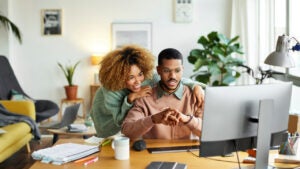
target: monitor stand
266 108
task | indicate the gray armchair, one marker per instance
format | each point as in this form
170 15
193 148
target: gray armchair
8 82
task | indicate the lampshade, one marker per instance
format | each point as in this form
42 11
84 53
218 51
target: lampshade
281 56
96 59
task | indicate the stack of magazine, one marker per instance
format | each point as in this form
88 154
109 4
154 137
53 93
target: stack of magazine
77 128
63 153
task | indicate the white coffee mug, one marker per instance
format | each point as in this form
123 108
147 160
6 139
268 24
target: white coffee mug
121 147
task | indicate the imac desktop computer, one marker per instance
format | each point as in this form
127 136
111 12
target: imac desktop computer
237 118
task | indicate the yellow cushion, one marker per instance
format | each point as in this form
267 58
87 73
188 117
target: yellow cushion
24 107
14 132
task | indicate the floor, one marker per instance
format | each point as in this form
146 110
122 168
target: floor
22 159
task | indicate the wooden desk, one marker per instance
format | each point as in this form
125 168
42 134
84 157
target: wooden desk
140 160
64 131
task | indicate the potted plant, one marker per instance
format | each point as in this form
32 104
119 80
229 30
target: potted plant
10 25
214 64
71 89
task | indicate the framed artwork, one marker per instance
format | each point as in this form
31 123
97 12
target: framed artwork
139 33
51 22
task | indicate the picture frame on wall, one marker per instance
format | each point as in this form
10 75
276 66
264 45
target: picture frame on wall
51 22
138 33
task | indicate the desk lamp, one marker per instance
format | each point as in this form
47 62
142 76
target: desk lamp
95 60
281 56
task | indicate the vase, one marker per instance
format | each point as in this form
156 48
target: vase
71 92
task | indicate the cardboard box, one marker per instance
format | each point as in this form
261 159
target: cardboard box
293 126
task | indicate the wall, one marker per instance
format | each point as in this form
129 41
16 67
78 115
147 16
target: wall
3 32
87 29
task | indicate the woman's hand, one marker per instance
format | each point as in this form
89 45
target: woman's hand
145 91
198 94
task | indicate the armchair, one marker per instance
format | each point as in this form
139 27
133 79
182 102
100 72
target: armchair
8 82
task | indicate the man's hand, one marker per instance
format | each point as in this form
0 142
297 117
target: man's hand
167 116
145 91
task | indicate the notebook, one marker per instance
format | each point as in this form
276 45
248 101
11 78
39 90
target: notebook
63 153
70 115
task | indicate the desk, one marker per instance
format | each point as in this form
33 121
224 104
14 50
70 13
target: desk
66 101
140 160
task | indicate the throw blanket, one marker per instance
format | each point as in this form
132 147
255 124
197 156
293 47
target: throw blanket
7 118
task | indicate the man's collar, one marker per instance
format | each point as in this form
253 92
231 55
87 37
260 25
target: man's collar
178 92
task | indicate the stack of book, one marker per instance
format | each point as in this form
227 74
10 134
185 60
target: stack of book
64 153
77 128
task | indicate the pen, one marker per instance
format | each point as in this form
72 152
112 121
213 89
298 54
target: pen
91 161
106 142
85 159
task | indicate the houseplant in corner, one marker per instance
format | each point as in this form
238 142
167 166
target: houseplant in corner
71 89
10 25
214 63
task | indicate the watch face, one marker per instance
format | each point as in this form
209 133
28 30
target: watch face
183 11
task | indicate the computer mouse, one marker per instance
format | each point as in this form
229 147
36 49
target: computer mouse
139 145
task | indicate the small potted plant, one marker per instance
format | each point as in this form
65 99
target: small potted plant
71 89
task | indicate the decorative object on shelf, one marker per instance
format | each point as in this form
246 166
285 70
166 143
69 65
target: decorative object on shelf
281 56
10 25
51 21
139 33
95 61
71 89
213 63
183 11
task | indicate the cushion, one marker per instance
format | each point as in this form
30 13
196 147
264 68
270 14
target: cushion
15 95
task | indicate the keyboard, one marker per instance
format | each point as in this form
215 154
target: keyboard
173 149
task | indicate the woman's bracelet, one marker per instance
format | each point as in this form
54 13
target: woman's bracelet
191 117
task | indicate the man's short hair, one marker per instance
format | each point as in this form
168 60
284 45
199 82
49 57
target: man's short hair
169 53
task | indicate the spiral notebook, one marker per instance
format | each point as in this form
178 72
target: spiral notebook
63 153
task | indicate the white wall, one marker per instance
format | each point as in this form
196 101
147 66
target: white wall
3 31
87 29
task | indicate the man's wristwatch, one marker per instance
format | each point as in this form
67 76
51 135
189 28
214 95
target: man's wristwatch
191 117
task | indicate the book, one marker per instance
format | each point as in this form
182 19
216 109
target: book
166 165
289 159
64 153
77 128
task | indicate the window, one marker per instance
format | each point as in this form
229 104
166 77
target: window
294 31
286 22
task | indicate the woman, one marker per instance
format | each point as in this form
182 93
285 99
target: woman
126 74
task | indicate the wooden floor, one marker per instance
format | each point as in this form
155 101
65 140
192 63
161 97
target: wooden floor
22 159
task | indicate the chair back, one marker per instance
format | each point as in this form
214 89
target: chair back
8 80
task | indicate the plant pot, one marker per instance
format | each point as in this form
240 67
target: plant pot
71 92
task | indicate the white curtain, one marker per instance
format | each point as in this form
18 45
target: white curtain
253 21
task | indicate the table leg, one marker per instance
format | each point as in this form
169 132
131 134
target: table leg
55 138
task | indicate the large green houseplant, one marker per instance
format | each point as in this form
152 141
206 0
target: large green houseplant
214 63
10 25
71 89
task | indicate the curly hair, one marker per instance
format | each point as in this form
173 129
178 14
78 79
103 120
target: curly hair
115 66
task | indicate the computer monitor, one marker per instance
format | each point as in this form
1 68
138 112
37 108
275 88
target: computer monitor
246 116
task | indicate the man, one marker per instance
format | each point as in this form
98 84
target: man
169 113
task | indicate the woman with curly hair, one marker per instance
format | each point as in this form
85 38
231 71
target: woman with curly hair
125 75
